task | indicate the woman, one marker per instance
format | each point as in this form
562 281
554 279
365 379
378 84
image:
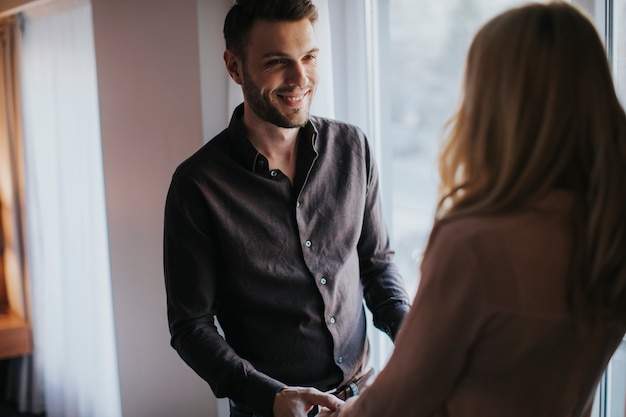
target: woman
522 299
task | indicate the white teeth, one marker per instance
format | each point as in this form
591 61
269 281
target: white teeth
294 98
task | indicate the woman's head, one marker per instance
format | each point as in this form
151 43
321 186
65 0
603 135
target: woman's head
538 111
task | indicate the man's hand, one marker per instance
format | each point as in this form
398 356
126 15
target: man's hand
299 401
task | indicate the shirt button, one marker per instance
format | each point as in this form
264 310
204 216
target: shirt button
273 173
323 281
308 243
332 320
340 359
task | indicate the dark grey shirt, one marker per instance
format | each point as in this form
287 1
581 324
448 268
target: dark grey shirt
284 268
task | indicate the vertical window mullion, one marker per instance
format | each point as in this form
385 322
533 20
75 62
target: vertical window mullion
608 29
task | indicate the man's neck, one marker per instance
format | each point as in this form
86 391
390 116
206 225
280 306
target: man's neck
277 144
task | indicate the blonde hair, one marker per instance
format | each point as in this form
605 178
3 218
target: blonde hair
539 111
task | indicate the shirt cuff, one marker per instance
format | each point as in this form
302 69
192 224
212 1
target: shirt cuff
391 317
260 393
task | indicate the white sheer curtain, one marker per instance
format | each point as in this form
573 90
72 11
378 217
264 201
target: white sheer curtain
74 345
350 34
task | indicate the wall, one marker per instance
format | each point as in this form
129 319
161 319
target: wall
215 81
148 67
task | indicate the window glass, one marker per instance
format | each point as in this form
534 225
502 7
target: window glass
423 49
618 45
616 383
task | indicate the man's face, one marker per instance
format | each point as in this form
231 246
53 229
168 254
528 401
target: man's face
279 73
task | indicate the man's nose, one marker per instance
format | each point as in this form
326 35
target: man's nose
297 75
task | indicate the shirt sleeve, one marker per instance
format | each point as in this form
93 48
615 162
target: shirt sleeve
190 281
434 342
383 286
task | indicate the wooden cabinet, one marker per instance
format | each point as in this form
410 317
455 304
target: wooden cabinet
15 336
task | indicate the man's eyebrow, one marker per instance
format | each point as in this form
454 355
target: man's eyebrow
285 55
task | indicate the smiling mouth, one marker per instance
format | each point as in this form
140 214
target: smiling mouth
294 100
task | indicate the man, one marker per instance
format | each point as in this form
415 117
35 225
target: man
275 227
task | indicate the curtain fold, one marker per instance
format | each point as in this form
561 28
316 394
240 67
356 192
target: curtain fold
324 100
72 314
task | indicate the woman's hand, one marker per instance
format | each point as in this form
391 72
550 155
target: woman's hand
299 401
342 411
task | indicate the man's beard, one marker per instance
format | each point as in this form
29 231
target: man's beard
262 105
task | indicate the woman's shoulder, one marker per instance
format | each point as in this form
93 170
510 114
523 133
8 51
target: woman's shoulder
553 210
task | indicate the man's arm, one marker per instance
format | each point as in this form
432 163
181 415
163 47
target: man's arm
190 278
383 286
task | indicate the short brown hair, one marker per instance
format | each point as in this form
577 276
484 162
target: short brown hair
244 13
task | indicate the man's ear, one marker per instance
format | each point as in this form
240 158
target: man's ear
233 66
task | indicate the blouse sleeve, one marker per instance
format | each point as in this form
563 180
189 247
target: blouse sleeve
435 340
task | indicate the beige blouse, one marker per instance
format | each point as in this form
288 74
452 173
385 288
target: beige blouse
489 333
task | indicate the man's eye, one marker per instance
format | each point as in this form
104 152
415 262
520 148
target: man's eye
276 62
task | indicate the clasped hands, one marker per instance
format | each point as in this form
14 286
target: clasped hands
299 401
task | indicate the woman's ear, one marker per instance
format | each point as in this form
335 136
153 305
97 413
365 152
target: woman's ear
233 66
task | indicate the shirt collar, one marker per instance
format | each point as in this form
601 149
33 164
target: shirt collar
246 154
